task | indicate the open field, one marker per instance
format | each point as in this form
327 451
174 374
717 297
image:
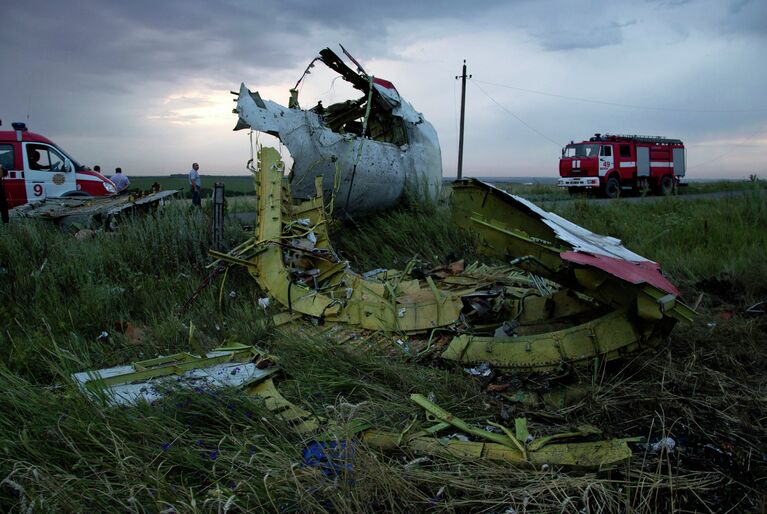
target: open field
233 185
243 185
198 452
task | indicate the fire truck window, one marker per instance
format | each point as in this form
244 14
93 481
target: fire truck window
582 150
607 151
6 157
625 151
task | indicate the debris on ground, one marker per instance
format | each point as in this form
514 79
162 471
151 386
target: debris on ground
567 296
250 369
91 212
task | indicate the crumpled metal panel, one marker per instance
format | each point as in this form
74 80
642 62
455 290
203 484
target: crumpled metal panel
513 229
571 449
231 366
96 212
634 272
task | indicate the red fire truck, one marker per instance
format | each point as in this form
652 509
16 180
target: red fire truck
610 164
36 169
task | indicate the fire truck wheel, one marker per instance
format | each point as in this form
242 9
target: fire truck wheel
666 185
612 188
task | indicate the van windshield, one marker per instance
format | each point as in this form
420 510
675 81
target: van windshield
77 165
582 150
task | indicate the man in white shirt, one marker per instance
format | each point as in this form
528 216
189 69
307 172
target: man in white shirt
120 181
195 183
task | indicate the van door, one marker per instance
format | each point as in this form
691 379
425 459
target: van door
626 162
48 172
13 184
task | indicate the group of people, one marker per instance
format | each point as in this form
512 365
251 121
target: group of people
121 181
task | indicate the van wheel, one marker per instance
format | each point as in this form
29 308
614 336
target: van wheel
612 188
666 185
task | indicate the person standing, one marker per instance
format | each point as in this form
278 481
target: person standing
195 183
120 181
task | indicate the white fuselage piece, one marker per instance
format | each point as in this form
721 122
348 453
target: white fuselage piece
364 174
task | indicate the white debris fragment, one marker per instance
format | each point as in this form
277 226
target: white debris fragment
505 330
666 444
373 273
263 302
401 312
483 370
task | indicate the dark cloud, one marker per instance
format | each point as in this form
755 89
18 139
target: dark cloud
584 36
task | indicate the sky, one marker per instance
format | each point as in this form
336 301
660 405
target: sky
145 85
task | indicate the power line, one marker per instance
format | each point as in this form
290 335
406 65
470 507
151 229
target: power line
523 122
616 104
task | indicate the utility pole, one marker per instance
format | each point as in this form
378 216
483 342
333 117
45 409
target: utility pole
463 113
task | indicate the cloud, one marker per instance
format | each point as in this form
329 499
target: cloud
580 36
147 81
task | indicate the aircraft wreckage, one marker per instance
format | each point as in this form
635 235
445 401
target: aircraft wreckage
565 297
93 212
369 151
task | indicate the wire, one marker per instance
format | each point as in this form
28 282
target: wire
616 104
523 122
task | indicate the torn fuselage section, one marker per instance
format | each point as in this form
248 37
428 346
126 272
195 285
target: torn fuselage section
369 151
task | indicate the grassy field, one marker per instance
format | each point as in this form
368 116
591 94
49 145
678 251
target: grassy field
236 185
233 185
196 452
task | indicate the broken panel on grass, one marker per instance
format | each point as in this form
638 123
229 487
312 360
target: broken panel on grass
92 212
369 151
252 371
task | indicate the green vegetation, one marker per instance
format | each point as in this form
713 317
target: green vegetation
552 193
234 185
693 240
199 452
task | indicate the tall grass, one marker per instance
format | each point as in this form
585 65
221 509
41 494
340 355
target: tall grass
693 240
224 452
391 239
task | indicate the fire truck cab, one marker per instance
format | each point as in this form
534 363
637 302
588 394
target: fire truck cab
614 163
37 169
